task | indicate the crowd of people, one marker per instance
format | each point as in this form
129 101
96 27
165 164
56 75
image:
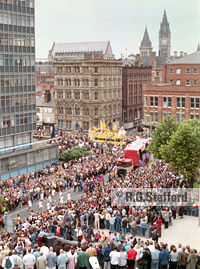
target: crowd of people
95 175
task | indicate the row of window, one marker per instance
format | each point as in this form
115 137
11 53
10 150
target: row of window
86 83
153 116
85 95
16 120
17 129
16 29
16 19
187 71
87 70
167 102
76 111
188 82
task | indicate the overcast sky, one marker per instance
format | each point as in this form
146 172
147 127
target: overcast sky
120 21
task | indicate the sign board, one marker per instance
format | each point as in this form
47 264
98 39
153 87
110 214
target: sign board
56 130
9 225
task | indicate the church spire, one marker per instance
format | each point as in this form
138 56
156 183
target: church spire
146 46
146 42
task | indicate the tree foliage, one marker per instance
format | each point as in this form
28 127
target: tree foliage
182 150
74 154
161 135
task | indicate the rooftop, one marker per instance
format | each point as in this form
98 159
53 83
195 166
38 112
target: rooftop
80 48
193 58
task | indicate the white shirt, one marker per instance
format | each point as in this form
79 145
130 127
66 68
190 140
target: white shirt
29 259
174 256
114 257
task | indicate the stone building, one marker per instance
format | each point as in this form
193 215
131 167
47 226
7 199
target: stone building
178 95
88 85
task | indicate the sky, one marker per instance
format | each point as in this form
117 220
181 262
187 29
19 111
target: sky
121 21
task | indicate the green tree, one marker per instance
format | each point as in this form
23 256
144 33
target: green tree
182 151
73 154
161 135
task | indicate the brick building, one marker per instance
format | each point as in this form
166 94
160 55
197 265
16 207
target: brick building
134 76
179 95
44 76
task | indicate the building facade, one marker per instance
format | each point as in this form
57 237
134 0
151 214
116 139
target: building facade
45 111
133 79
17 89
88 85
44 76
179 95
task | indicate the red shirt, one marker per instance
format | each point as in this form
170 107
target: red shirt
132 254
159 222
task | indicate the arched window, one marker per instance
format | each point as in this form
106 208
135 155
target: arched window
96 82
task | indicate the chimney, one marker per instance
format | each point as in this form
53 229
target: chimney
175 54
181 53
47 96
153 59
185 54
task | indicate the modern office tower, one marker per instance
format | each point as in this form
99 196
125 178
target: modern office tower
17 90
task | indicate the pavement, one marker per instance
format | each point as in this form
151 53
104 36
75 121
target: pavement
23 211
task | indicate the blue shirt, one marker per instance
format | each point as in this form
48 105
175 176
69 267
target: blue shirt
164 257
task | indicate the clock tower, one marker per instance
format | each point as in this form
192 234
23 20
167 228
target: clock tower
164 37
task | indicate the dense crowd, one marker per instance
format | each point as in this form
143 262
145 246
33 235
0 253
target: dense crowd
77 219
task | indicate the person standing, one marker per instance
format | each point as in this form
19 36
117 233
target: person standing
114 258
155 252
62 260
100 257
51 259
106 255
72 260
41 262
29 260
83 259
191 260
132 253
164 257
173 258
122 258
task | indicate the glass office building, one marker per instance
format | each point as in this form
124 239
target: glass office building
17 86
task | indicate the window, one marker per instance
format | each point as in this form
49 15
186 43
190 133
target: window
77 95
96 82
68 95
153 117
96 112
167 101
194 102
171 81
156 101
195 70
60 110
145 100
171 70
96 96
195 82
77 111
178 82
96 70
194 116
178 71
187 70
180 102
151 101
69 124
180 116
187 82
60 94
